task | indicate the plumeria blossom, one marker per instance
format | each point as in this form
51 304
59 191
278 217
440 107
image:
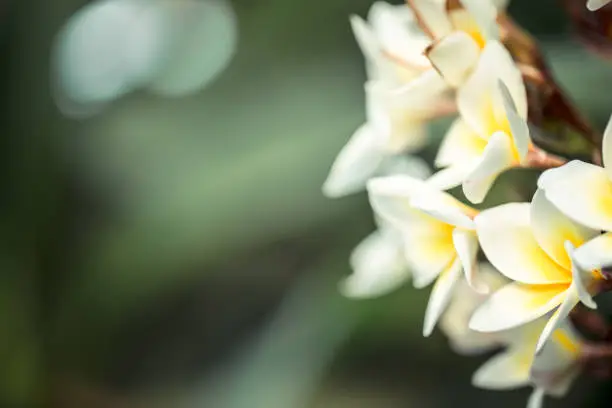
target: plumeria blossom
550 372
596 4
459 33
403 93
465 300
491 134
583 191
438 236
378 263
393 46
533 245
393 127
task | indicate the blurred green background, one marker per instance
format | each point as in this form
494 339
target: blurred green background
178 252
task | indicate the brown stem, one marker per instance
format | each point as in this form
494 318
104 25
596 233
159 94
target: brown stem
538 158
596 359
590 321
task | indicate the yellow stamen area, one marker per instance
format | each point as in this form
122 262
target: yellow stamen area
565 342
462 20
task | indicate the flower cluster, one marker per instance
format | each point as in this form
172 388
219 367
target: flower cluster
545 257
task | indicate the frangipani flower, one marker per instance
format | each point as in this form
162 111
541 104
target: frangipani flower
454 322
534 245
393 46
491 134
438 235
378 263
459 33
596 4
583 191
551 372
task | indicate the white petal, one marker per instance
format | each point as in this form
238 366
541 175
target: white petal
596 4
428 242
413 166
518 125
440 296
606 148
432 15
570 300
460 145
479 100
501 372
536 399
485 15
466 244
595 254
443 208
496 158
581 191
454 56
366 39
507 240
391 195
421 93
516 304
402 126
378 267
552 230
355 164
450 177
557 357
579 277
398 33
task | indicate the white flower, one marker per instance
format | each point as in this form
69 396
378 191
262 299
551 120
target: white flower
491 134
378 263
596 4
551 372
393 47
438 234
403 93
534 246
454 322
459 34
583 191
392 128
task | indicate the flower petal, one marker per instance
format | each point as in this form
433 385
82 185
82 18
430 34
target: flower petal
496 158
536 399
570 300
402 127
413 166
596 4
378 267
431 16
606 148
440 296
367 41
428 242
506 370
479 100
355 164
516 304
518 125
460 145
484 14
454 56
466 244
595 254
552 230
580 278
581 191
508 242
450 177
